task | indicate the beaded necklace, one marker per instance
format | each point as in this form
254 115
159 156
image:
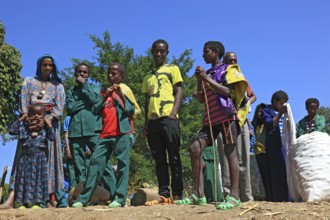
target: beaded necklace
43 91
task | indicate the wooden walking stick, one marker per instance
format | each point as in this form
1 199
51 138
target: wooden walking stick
213 147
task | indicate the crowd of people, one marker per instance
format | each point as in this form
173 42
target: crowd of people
100 123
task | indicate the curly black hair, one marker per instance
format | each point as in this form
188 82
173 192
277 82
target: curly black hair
160 41
121 67
279 95
81 64
216 45
312 100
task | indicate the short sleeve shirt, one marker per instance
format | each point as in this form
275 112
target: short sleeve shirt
66 123
158 85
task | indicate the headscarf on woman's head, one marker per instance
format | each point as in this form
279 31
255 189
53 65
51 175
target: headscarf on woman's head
256 120
54 75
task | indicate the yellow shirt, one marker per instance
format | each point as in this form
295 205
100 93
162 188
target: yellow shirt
158 84
258 146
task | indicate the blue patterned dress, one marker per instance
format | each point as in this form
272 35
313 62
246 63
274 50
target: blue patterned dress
54 99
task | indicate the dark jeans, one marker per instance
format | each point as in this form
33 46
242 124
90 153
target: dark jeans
164 135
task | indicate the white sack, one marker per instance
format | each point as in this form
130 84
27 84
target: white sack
310 158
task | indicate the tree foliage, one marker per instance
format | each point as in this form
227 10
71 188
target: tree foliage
142 168
325 111
11 80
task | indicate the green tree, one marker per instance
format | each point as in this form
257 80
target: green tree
137 66
11 80
325 111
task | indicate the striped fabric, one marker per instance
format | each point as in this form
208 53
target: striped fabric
216 116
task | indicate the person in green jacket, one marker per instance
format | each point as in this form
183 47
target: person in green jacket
84 127
117 111
313 121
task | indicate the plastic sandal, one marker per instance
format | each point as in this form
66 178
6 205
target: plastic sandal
185 201
77 205
35 207
195 200
114 203
229 203
21 207
156 202
199 201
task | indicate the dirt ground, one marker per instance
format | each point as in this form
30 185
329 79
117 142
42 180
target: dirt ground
262 210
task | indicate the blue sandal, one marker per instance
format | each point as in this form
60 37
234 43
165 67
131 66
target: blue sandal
229 203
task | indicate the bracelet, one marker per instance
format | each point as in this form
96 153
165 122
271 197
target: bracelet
200 91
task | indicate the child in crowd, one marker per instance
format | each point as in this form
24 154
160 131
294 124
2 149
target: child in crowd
259 148
313 121
218 118
84 126
272 117
67 155
31 186
243 139
62 195
117 110
67 159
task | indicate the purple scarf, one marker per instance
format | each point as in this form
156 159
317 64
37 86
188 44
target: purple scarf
218 74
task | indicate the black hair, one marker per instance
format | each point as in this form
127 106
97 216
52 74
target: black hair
312 100
160 41
279 95
256 120
121 67
216 45
82 64
54 75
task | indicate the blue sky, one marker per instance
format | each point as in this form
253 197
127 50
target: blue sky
282 44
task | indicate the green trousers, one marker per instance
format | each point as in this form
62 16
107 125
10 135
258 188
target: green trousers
61 198
120 147
81 162
72 173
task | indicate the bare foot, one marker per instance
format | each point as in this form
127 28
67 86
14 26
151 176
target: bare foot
49 205
176 198
9 204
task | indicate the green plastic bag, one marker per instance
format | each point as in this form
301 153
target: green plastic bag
208 174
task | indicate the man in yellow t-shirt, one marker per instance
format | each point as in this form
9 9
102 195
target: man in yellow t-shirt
162 87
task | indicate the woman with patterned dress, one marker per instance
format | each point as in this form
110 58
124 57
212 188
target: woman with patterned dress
46 89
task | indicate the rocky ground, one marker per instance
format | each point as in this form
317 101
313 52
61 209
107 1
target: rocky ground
248 210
